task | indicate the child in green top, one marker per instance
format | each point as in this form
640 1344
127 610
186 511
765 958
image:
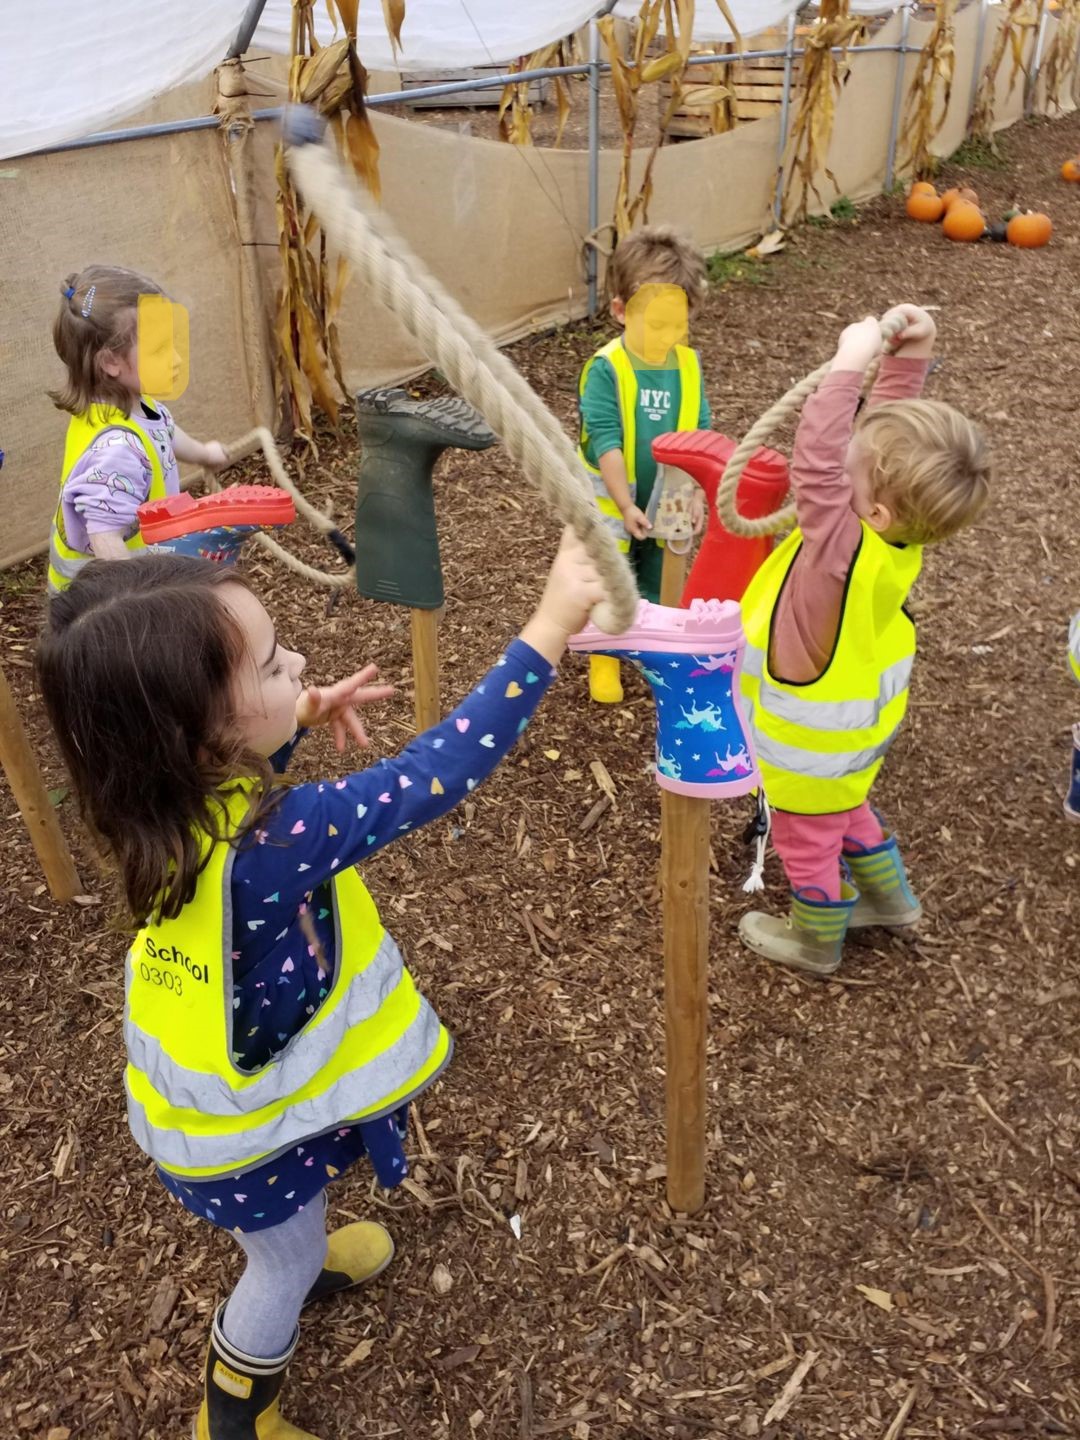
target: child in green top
646 382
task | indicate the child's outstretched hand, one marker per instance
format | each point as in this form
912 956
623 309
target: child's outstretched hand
573 588
917 337
858 345
335 705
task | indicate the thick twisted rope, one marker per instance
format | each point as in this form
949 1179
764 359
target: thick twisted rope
760 431
469 359
261 439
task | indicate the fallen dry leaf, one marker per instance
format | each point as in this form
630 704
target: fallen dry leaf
881 1298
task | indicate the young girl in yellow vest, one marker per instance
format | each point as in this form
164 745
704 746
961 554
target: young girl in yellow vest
829 643
646 382
273 1033
122 445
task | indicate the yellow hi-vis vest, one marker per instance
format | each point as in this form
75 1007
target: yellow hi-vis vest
821 744
1074 645
65 562
627 385
372 1045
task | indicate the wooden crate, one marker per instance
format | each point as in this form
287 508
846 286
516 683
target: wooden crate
758 86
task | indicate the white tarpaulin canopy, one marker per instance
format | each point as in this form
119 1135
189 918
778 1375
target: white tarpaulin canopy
753 17
67 70
443 34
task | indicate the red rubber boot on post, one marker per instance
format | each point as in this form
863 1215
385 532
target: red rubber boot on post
725 563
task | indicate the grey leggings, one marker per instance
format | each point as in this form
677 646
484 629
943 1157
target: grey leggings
282 1265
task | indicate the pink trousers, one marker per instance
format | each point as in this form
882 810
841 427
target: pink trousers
810 846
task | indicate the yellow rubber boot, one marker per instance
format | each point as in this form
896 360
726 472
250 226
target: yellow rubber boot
354 1254
605 684
241 1397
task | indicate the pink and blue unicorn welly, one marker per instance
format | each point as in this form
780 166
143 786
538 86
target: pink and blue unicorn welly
691 659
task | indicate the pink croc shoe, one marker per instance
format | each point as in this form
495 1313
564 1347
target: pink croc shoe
692 660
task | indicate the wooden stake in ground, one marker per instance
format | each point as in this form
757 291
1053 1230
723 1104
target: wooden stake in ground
684 870
425 652
673 577
21 768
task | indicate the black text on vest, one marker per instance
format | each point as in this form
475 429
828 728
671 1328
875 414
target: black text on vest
173 955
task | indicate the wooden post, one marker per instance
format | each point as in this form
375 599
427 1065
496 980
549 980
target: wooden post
425 652
684 868
21 768
673 577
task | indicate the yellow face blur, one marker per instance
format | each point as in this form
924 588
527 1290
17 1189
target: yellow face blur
162 347
657 319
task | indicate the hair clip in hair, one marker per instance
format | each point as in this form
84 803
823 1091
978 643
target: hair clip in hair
88 303
69 292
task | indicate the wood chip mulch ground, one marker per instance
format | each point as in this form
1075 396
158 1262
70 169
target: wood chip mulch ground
890 1244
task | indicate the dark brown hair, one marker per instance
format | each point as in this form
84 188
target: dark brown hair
136 664
98 315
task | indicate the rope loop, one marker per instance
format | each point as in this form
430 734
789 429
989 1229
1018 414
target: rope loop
468 357
261 439
759 432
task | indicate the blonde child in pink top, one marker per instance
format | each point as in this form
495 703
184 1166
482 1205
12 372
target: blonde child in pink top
829 643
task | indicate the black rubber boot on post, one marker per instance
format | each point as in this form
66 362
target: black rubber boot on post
397 542
240 1401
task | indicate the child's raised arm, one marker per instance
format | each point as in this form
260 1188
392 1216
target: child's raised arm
819 464
317 829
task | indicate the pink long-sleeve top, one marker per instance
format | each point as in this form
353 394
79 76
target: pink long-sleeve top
808 610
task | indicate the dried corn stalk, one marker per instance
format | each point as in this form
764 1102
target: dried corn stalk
515 111
1059 66
823 74
1020 20
332 79
931 88
629 76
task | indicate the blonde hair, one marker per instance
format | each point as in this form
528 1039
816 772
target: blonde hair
98 316
928 463
657 254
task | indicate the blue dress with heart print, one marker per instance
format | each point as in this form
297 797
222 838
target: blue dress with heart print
283 870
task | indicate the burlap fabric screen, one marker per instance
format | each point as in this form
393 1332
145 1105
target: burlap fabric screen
501 227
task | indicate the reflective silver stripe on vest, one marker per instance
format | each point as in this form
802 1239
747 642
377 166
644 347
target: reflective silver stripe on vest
355 1092
817 764
753 662
296 1065
67 568
833 715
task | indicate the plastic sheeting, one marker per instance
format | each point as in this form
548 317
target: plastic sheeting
68 71
753 17
443 34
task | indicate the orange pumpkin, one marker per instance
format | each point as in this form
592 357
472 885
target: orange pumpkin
950 197
1071 170
921 206
968 194
1030 231
923 187
964 221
